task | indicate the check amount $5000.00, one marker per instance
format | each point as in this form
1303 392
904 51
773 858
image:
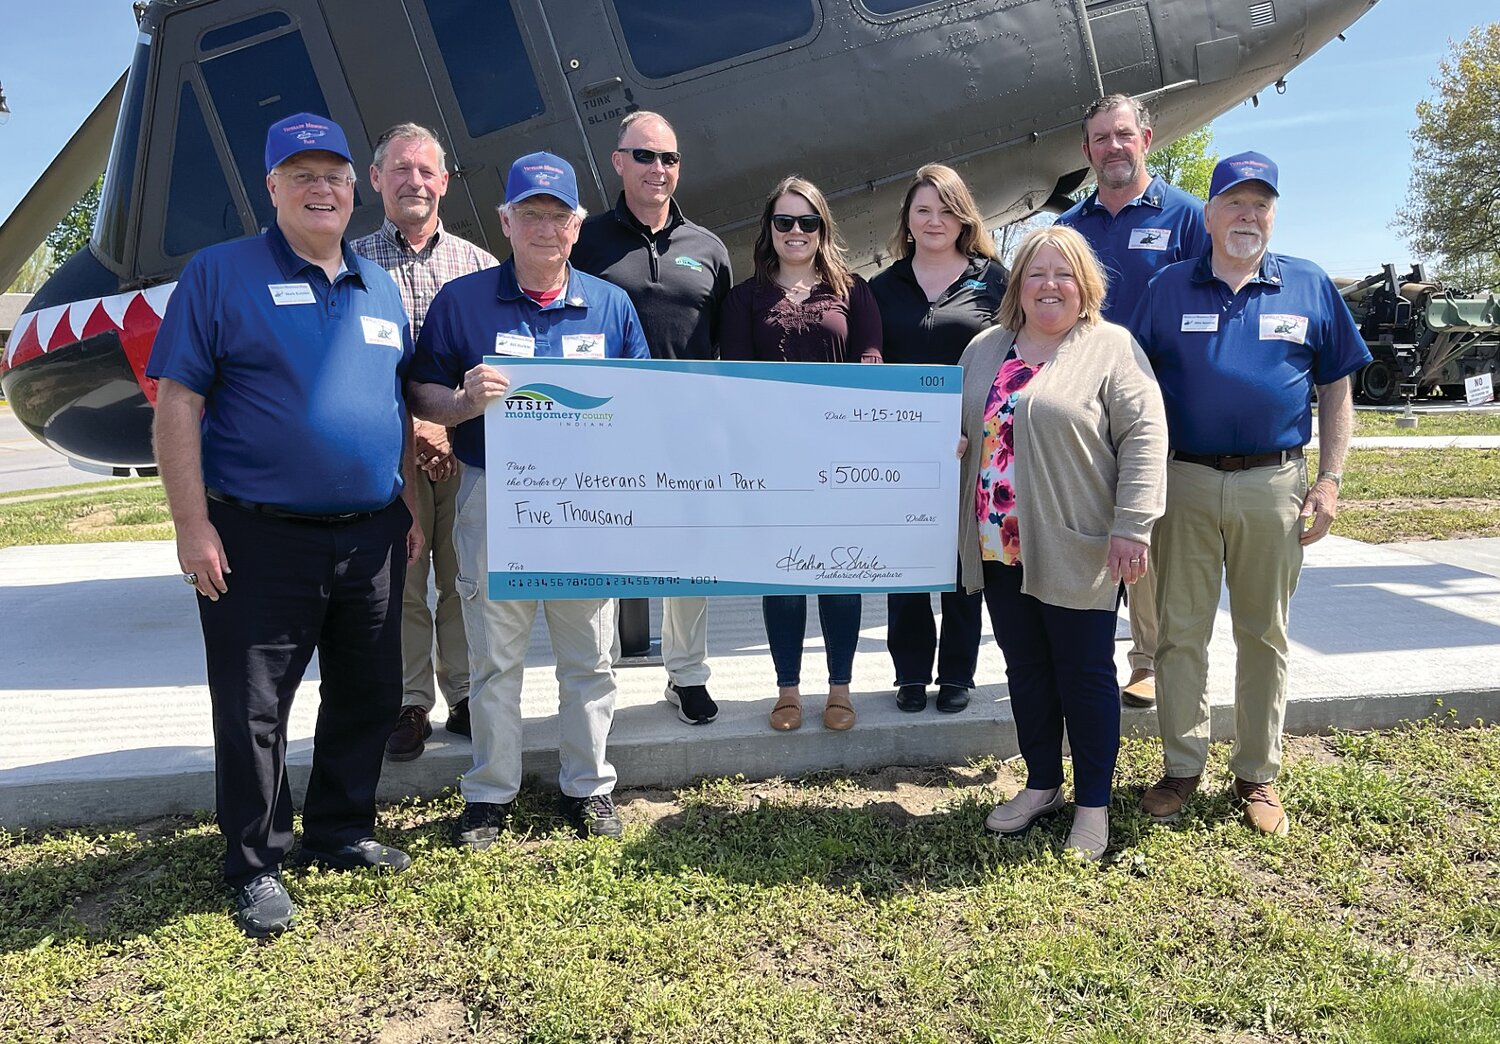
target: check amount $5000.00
750 483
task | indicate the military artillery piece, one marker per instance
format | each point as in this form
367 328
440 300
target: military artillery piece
1425 338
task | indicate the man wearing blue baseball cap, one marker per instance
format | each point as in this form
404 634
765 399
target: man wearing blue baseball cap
1239 340
280 436
538 305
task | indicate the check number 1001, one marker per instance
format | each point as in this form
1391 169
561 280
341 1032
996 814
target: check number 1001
869 475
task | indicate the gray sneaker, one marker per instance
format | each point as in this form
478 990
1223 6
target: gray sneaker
263 908
593 816
479 824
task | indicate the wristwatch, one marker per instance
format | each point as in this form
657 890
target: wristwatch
1336 477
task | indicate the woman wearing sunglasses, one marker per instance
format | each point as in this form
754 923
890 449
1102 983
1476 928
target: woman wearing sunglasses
943 288
803 304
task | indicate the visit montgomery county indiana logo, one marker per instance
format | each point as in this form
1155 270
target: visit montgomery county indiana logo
548 402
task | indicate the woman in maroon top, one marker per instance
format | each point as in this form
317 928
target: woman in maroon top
803 305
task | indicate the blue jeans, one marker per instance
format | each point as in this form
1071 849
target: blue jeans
786 622
1060 666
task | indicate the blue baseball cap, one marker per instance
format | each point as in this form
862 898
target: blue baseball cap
304 132
1242 167
539 174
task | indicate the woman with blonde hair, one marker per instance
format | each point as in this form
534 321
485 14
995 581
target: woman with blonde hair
803 304
1064 452
943 288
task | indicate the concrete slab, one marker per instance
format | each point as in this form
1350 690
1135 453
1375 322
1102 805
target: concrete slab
104 675
1480 554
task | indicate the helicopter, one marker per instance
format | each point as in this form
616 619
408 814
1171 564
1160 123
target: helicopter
853 94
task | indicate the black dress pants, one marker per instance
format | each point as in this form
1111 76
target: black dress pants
296 587
912 636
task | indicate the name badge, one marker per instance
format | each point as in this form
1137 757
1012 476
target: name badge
583 346
1284 328
1150 238
1200 323
291 293
515 344
381 331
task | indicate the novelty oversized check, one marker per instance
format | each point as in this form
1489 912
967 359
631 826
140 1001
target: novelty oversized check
626 478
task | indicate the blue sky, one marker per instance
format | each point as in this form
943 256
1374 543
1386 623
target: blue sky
1339 133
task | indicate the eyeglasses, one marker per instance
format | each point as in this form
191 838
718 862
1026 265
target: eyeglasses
645 157
532 216
808 223
305 179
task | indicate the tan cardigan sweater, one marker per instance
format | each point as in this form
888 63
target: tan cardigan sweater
1090 460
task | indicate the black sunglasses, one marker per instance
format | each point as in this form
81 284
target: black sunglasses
808 223
645 157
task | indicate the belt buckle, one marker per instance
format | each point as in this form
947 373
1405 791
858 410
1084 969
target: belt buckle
1232 463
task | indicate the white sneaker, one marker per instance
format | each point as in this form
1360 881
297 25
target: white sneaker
1017 815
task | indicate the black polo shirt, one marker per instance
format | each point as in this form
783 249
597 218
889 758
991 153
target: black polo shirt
677 278
936 333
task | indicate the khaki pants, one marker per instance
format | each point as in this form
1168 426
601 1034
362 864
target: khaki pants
582 632
1143 622
435 503
1239 527
684 640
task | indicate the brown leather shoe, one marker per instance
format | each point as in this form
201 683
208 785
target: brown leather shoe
838 712
787 714
1164 801
1140 690
1262 806
408 738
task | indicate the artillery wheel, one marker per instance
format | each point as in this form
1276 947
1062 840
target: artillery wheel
1380 383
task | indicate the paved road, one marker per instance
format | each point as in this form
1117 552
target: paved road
26 464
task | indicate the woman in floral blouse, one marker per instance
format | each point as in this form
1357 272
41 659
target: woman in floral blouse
1064 473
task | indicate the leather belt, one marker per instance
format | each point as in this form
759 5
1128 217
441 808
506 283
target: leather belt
1229 462
272 511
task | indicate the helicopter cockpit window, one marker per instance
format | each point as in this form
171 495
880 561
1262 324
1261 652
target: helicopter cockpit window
487 63
252 87
200 210
225 35
667 37
114 202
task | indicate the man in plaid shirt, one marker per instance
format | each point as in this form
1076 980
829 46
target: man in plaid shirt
410 172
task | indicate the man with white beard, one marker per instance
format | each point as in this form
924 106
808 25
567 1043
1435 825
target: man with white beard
1238 339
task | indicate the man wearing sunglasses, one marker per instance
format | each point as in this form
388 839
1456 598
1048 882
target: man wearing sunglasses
677 275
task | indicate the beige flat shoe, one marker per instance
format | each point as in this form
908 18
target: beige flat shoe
1021 812
838 713
1140 690
1089 837
787 714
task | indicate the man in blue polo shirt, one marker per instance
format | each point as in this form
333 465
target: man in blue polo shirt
1137 225
280 435
533 305
1239 338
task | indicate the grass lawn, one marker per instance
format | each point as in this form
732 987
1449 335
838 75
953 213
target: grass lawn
867 908
1388 495
1370 423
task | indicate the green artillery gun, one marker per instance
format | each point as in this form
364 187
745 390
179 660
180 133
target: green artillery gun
1425 338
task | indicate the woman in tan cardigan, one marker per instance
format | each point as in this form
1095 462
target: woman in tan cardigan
1064 472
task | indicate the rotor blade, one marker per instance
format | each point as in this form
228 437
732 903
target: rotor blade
61 185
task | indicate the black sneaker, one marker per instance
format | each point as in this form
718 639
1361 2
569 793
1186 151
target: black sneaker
694 705
458 719
951 699
593 816
364 854
911 698
479 824
263 908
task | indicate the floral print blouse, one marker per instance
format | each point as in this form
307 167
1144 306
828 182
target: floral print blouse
995 498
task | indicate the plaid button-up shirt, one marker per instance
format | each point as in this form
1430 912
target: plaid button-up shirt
420 274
